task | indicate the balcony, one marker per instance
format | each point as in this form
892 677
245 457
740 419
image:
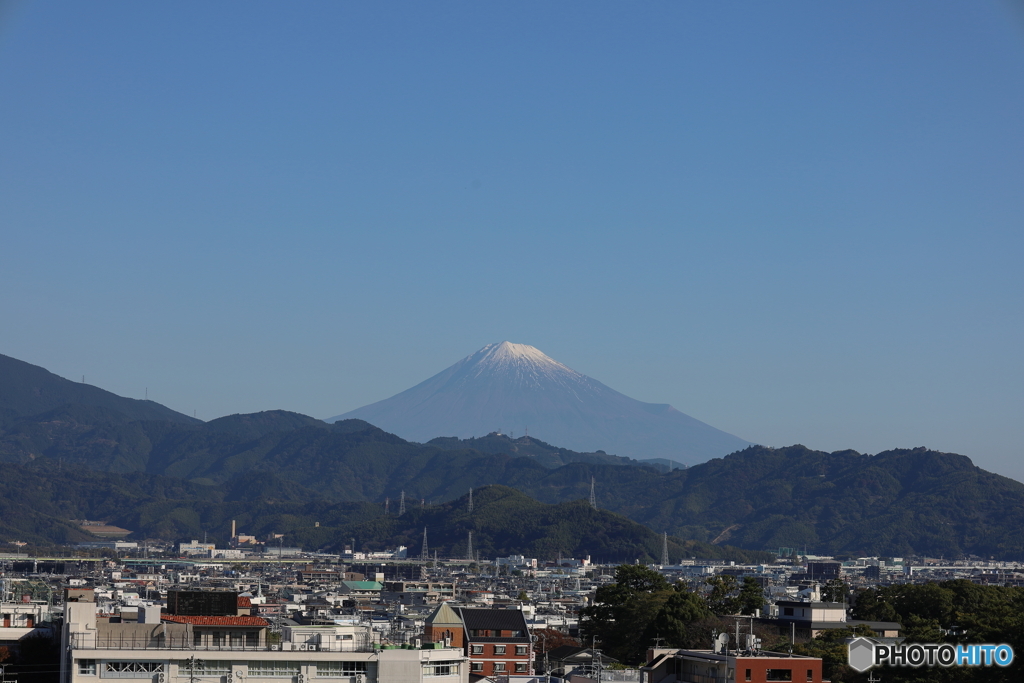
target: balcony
187 642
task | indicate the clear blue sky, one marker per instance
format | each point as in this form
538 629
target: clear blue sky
798 222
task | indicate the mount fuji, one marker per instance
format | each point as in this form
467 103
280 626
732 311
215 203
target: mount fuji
518 388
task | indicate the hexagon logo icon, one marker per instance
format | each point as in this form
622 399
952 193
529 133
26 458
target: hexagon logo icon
862 654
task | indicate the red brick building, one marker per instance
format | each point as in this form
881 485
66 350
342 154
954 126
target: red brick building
497 641
685 666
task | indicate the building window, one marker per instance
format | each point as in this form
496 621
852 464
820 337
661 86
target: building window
747 678
499 649
339 669
86 667
477 650
197 638
218 638
778 675
252 638
441 669
274 669
476 666
207 667
520 667
787 611
131 669
810 675
499 666
520 650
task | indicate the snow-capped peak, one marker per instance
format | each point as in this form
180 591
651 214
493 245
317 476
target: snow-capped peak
526 362
507 351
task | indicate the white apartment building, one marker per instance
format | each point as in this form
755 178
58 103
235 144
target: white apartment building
168 649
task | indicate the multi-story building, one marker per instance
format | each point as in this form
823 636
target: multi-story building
178 648
497 641
417 592
725 666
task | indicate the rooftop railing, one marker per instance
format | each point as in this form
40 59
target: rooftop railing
174 642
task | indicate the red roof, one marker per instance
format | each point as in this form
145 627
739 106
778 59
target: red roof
215 621
244 601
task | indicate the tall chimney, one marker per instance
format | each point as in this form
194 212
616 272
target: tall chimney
233 534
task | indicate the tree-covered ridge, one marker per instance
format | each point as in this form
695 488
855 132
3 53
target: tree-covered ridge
504 521
27 389
900 502
525 446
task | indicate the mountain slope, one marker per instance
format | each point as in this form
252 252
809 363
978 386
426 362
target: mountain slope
897 503
27 389
519 388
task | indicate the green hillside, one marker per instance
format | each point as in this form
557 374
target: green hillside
27 389
899 502
504 521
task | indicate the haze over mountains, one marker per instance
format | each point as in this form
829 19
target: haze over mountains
517 388
28 389
166 475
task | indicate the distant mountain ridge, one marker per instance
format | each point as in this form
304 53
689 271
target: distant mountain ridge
284 470
516 387
28 389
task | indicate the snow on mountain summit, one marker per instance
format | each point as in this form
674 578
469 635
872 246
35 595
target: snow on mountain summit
516 387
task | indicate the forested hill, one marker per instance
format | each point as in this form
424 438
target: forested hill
27 389
37 502
525 446
899 502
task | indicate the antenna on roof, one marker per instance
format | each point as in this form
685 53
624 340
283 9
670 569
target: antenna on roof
593 498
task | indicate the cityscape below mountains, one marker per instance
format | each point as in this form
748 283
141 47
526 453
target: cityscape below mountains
287 546
89 454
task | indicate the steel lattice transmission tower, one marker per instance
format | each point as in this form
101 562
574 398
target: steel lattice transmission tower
469 547
425 554
593 498
664 550
401 505
471 500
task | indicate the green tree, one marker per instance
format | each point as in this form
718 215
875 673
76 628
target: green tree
751 596
722 596
682 621
622 612
830 646
835 590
